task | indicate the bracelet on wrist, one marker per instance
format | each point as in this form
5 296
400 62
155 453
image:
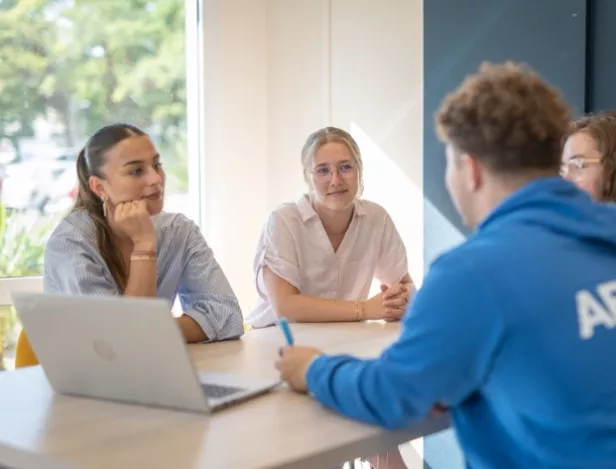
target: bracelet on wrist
359 310
138 257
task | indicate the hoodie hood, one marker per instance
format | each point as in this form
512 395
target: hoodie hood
559 206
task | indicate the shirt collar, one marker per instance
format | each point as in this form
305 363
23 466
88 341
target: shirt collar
304 205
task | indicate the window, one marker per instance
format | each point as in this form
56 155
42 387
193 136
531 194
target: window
67 67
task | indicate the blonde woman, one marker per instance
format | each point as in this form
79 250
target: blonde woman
317 257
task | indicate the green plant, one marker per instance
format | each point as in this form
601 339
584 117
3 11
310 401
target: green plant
2 218
22 249
8 320
22 245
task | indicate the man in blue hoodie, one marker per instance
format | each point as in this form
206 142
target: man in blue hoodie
513 330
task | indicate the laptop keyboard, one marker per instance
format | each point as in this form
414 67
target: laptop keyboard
216 391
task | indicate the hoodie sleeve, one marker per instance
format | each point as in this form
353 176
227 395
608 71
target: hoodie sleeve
449 338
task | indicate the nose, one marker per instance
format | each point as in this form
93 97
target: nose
335 177
154 178
569 174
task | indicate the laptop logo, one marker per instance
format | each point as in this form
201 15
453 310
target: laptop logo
104 350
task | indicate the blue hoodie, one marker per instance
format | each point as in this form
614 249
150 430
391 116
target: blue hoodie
514 331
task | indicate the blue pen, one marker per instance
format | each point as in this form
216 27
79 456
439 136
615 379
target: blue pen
286 330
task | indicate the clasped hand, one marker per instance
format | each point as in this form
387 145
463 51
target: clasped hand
390 304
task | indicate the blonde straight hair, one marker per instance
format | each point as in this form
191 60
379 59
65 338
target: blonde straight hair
326 135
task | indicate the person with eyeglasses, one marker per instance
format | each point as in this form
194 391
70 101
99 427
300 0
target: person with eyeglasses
514 329
317 257
589 155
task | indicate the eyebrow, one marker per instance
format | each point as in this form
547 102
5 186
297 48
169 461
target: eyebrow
339 162
135 162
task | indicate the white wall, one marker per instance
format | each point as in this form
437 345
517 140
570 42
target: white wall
234 134
277 70
297 92
377 93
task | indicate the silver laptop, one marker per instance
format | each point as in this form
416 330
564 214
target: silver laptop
123 349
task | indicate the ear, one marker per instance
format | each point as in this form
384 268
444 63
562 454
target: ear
473 173
96 185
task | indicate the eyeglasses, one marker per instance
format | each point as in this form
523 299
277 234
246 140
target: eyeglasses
324 173
574 168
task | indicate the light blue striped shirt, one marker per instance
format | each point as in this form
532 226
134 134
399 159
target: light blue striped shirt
186 267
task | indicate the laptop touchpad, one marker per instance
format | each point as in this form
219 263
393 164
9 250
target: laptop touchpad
214 391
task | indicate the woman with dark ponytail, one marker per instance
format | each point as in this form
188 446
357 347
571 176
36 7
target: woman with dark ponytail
118 241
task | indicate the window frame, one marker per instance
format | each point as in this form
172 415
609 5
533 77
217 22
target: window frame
194 113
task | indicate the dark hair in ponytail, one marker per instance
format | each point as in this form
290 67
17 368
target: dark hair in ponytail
89 163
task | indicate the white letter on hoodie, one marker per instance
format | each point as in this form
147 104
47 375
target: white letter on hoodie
591 313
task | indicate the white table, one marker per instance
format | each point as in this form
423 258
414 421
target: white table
279 430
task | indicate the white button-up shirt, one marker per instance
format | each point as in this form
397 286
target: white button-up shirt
295 246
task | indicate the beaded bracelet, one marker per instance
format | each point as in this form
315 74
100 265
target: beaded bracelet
359 310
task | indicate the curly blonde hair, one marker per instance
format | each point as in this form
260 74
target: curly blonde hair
507 117
602 129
